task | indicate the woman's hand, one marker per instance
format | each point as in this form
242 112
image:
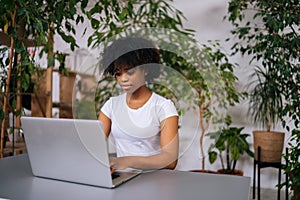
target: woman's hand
119 163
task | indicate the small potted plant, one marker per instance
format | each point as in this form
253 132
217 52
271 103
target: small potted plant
265 102
228 145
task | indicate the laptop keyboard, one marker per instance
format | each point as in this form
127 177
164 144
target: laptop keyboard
114 175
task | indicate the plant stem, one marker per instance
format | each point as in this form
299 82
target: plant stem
222 161
233 166
228 158
202 136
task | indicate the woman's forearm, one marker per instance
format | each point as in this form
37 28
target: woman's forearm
159 161
162 160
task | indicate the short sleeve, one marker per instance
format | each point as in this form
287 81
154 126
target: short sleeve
107 108
167 109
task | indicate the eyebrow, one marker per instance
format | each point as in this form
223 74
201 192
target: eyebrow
125 68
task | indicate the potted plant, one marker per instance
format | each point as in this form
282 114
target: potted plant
272 42
270 35
229 143
265 103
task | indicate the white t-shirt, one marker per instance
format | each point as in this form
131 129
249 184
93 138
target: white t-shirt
137 131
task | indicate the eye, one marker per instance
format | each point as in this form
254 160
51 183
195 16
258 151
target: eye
131 71
117 74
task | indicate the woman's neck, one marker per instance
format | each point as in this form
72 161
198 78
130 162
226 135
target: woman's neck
138 98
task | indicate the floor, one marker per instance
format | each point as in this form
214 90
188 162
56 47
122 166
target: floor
269 194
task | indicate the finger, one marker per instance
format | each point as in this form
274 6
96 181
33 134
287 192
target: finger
112 170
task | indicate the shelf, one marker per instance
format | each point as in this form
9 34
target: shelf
19 148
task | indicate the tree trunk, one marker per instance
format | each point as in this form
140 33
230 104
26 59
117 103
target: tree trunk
49 72
202 137
12 45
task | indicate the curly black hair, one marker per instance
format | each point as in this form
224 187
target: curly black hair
130 52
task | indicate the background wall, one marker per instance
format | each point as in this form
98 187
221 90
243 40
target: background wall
206 17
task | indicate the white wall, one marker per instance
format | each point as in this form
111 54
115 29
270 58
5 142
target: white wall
206 17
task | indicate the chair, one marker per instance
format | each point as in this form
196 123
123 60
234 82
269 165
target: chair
261 165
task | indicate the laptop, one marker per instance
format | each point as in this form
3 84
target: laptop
73 150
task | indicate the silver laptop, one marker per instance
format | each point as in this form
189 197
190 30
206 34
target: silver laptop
72 150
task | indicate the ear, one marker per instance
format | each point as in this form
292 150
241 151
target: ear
145 71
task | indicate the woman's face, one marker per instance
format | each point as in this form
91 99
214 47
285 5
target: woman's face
131 79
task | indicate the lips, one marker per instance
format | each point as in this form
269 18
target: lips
126 87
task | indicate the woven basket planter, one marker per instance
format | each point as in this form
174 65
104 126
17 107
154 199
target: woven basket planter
271 145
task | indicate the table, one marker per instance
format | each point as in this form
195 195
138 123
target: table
18 183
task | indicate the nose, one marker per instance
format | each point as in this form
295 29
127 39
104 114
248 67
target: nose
124 77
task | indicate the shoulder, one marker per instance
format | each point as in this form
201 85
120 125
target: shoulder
111 103
158 98
117 99
161 100
164 106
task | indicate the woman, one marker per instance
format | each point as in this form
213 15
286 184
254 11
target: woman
144 125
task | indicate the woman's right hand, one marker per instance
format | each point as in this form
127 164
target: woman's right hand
119 163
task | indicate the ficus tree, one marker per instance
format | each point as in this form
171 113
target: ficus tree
31 23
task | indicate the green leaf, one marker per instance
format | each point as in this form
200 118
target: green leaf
95 23
212 156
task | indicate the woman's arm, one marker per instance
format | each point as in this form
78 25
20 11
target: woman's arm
168 156
106 122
